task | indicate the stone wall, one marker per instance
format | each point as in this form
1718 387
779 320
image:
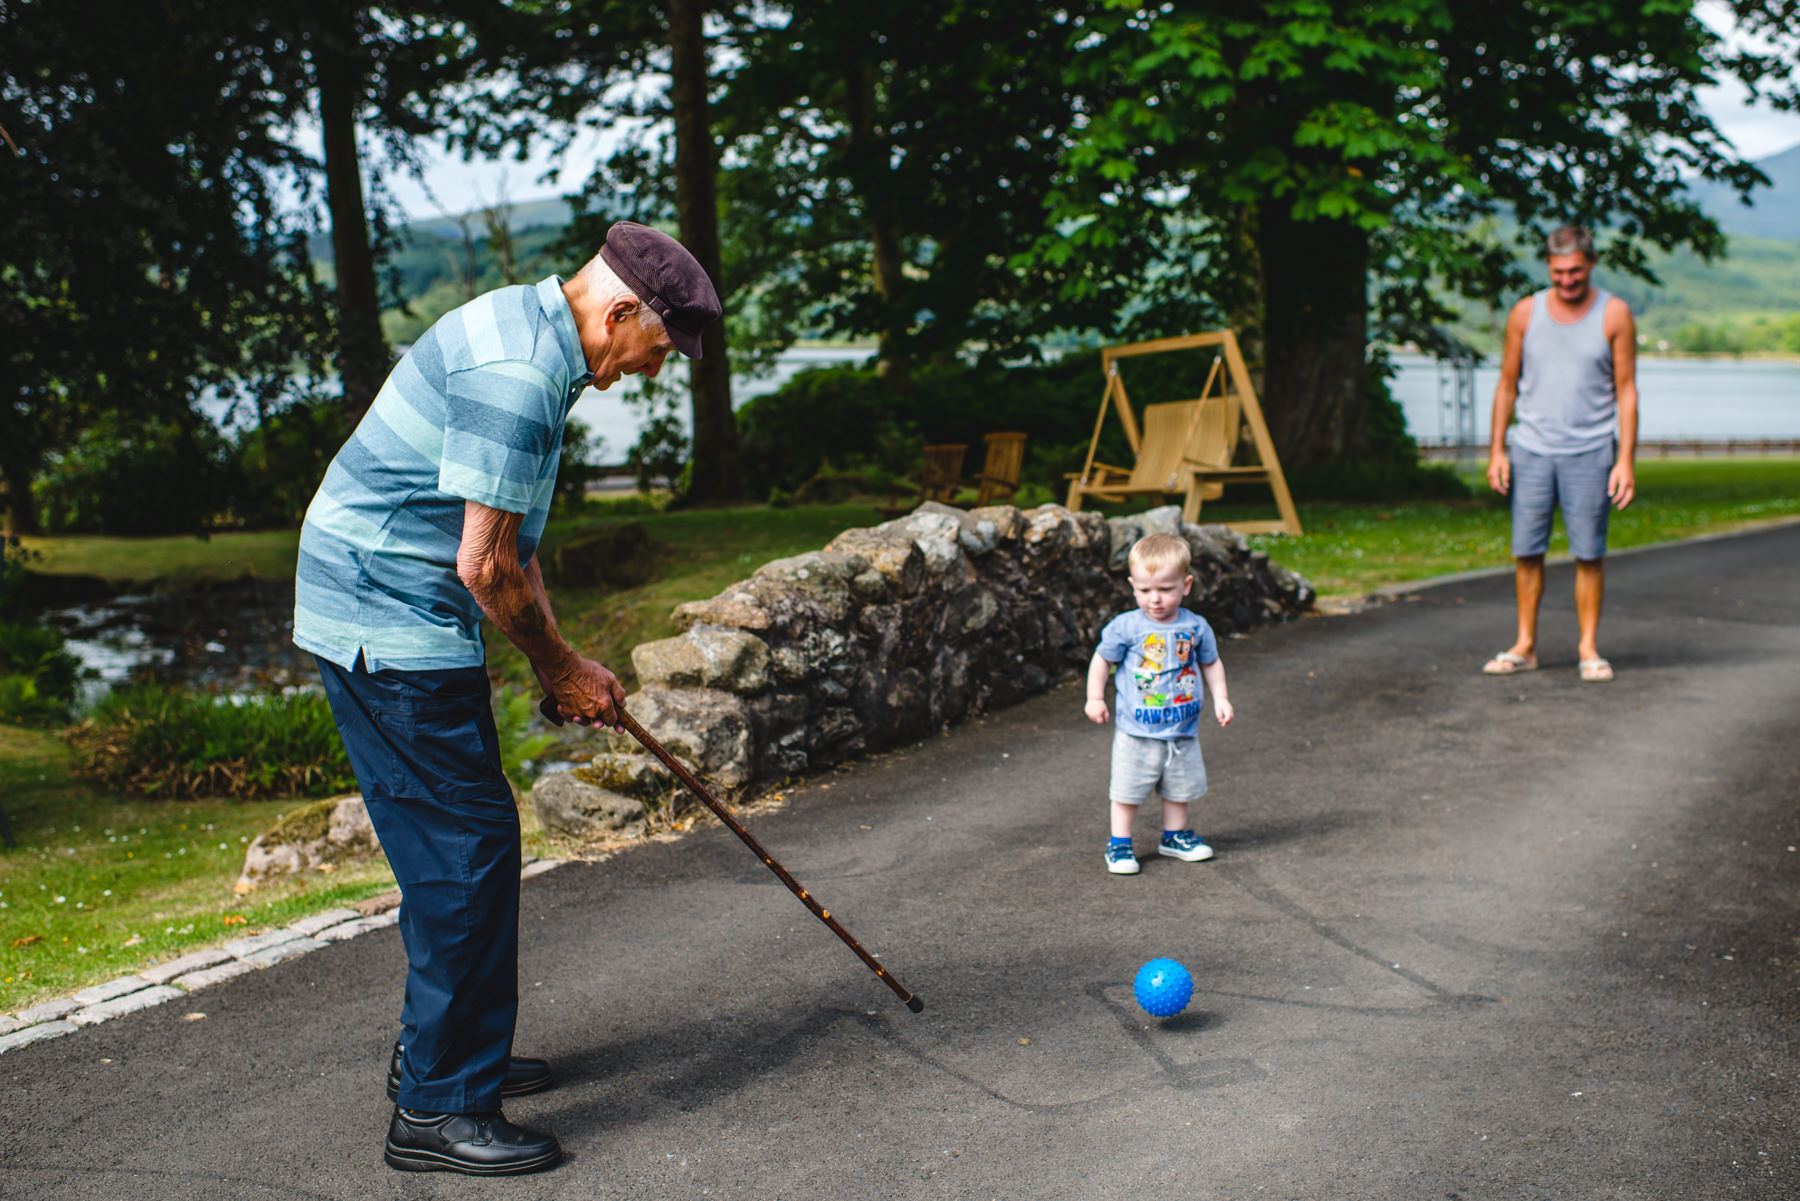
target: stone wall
895 631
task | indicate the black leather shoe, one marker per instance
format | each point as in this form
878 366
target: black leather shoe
475 1144
523 1076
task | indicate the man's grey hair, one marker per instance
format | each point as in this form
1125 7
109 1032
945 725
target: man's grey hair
1570 239
602 281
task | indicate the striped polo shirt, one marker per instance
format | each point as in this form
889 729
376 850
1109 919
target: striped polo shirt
475 411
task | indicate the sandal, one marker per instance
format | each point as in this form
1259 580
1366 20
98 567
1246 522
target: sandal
1509 663
1595 670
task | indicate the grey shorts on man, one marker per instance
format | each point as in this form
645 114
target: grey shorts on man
1574 483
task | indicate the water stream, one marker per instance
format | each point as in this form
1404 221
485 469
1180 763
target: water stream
234 639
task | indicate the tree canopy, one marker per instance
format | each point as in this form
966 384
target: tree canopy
145 256
952 178
1339 160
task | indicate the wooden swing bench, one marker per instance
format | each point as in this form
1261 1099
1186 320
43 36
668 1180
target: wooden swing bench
1187 447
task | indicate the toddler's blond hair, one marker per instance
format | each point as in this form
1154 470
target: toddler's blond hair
1155 552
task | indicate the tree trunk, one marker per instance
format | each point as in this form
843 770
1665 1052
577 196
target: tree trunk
715 478
21 507
868 170
1315 334
363 360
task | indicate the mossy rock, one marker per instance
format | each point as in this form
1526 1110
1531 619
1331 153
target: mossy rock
317 834
309 823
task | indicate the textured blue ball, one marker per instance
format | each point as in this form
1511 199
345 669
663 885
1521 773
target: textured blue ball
1163 988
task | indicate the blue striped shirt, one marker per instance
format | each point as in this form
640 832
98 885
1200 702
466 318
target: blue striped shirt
475 411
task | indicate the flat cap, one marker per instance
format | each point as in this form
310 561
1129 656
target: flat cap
667 278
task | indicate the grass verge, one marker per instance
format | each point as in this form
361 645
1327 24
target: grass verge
101 885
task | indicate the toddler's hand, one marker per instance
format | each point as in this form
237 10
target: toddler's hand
1222 710
1096 711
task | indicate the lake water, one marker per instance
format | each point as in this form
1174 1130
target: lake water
1678 398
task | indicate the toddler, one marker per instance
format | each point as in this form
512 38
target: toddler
1162 652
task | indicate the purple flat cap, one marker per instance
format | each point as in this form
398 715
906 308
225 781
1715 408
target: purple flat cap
667 278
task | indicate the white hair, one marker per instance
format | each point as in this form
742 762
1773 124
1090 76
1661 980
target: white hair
602 281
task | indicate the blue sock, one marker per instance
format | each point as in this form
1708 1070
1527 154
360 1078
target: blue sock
1119 842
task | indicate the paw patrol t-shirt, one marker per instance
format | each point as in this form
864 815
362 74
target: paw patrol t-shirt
1158 680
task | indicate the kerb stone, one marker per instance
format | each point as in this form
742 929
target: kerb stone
313 923
109 990
147 998
207 977
162 973
281 952
35 1034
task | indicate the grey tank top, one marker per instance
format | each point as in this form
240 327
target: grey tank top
1567 402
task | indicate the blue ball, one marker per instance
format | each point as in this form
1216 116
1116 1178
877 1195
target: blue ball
1163 988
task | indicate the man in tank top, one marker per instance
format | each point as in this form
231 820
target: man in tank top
1569 373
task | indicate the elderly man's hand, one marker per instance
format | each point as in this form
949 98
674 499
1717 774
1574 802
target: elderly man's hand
587 694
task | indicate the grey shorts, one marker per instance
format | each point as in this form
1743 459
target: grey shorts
1173 767
1575 483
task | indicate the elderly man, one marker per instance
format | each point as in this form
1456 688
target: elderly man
1570 363
428 520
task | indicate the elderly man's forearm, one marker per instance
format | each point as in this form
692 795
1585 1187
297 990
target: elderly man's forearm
521 613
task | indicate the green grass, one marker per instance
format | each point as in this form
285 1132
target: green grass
169 563
1353 549
153 879
101 885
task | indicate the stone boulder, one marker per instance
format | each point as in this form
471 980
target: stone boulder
588 807
319 834
705 657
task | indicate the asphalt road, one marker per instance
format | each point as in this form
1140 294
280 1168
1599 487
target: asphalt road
1465 938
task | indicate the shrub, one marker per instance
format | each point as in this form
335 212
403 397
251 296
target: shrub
277 465
520 749
840 421
128 476
166 743
37 676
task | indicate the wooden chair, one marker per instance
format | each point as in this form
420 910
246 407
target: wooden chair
1187 447
939 476
999 478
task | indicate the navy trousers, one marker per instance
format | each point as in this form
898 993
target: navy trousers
424 749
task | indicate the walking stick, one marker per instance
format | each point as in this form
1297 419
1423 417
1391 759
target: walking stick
553 715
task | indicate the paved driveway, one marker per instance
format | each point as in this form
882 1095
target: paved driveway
1465 938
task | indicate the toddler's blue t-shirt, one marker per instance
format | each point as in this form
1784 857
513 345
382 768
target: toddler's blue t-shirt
1158 680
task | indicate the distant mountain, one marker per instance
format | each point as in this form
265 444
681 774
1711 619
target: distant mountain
554 212
1774 211
550 213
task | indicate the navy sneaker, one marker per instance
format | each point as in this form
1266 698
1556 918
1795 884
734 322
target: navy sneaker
1120 861
1185 845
